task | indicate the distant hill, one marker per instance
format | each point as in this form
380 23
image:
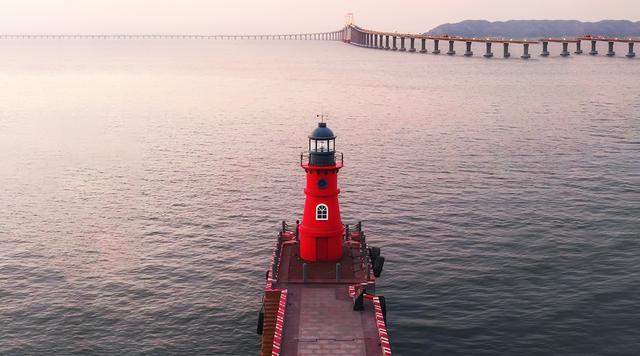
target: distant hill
538 28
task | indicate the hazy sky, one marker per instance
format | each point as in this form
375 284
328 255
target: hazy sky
271 16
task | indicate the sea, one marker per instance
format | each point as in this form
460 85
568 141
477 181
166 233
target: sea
142 184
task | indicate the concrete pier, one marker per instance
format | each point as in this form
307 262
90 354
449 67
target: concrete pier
452 51
545 49
611 52
525 54
412 42
423 49
402 49
469 52
386 43
565 49
488 53
436 50
631 53
394 48
594 50
506 53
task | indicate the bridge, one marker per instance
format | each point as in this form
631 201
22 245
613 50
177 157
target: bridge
389 41
317 36
367 38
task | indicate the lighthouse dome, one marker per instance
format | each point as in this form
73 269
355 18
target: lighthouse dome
322 132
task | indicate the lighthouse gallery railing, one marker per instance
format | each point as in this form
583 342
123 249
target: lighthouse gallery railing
305 159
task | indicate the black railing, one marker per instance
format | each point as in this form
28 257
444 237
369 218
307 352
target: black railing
305 158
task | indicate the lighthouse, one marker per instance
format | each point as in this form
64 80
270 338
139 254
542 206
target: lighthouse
321 231
320 294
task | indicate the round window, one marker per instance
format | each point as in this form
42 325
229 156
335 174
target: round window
322 184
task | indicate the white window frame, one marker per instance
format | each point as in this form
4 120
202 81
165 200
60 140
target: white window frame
326 208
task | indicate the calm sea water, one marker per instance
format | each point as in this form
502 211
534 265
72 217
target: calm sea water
142 184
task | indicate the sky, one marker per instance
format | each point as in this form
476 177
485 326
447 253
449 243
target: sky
282 16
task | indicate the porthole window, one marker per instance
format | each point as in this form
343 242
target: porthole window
322 212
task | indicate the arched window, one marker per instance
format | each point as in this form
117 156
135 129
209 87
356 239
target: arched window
322 212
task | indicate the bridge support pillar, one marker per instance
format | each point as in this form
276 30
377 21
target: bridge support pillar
506 53
611 52
469 52
452 51
565 49
436 49
488 54
386 42
394 48
631 54
578 47
412 41
525 54
594 51
545 49
380 42
423 49
402 49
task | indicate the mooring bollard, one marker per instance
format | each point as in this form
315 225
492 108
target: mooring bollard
305 271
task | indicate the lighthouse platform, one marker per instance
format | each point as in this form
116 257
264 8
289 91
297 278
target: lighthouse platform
330 308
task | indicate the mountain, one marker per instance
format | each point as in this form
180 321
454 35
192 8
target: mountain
538 28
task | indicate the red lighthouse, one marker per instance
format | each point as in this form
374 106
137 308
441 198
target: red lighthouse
321 230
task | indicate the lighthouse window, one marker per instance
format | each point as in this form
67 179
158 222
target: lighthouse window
322 212
323 146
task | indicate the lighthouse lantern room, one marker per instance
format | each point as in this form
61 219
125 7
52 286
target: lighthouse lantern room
321 230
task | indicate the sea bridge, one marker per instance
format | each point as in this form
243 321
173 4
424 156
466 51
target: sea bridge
317 36
407 42
384 40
